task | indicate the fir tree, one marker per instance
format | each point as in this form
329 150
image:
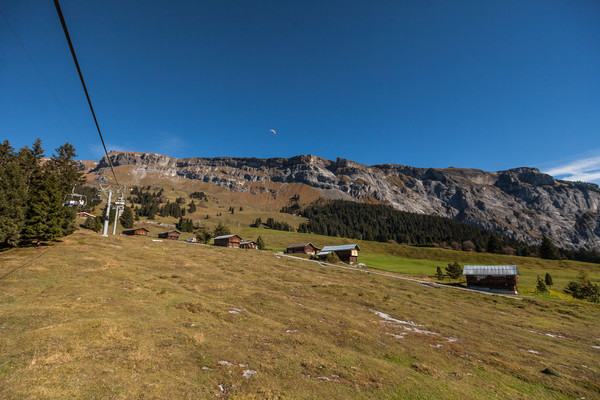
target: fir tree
439 274
13 197
221 230
454 270
127 218
192 207
89 223
98 224
260 243
45 212
547 250
203 234
541 286
548 280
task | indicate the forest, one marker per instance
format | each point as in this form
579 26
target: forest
32 192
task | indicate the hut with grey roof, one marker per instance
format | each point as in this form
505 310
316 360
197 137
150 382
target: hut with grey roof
347 253
495 278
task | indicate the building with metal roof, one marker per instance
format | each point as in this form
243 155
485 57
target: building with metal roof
305 248
347 253
495 278
228 241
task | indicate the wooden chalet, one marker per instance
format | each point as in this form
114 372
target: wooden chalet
248 244
83 214
136 232
228 241
172 235
305 248
347 253
495 278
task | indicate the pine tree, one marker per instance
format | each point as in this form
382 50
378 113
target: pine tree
65 168
439 274
192 207
89 223
13 197
541 286
548 280
221 230
260 243
45 212
98 224
127 218
547 250
454 270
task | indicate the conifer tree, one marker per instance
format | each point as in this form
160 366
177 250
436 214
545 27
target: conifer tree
541 286
547 250
13 196
45 212
192 207
548 280
127 218
439 274
260 243
221 230
89 223
454 270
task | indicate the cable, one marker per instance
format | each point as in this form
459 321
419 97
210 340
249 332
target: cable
64 25
42 76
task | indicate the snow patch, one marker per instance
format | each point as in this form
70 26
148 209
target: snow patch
248 373
389 319
226 363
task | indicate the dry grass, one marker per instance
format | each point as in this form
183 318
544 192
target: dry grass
154 320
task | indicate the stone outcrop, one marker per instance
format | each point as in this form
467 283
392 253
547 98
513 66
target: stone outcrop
522 203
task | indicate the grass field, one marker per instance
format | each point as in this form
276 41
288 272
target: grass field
93 318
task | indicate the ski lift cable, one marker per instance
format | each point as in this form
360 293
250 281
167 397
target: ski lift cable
42 76
64 26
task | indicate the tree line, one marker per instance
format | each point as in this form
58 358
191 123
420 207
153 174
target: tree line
32 192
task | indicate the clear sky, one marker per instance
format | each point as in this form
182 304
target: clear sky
480 84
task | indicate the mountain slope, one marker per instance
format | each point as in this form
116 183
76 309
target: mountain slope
522 203
131 318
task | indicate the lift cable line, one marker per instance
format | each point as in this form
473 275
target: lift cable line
42 75
64 25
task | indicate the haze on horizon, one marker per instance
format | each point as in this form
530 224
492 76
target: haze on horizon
468 84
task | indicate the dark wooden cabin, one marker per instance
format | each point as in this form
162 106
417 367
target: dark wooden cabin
172 235
305 248
228 241
136 232
347 253
495 278
248 244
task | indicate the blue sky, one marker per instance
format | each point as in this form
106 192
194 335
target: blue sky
479 84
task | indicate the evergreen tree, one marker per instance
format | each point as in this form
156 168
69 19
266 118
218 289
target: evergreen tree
89 223
127 218
494 244
547 250
66 169
541 286
192 207
221 230
98 224
454 270
439 274
260 243
185 225
548 280
203 234
45 213
13 197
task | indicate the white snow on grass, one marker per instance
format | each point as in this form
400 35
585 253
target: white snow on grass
389 319
248 373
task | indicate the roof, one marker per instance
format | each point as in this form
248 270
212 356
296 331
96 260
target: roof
169 231
246 241
323 253
136 229
342 247
227 237
293 246
493 270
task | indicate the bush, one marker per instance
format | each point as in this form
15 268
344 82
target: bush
583 289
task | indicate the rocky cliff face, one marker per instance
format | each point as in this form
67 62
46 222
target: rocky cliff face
522 203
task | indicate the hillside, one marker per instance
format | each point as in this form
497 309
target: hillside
521 203
126 317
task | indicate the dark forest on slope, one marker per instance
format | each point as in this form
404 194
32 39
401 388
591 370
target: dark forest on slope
383 223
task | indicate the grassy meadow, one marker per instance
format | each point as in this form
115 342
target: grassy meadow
129 318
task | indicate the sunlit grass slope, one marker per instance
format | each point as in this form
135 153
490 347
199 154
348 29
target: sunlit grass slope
87 319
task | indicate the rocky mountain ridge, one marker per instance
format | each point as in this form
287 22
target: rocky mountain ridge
522 203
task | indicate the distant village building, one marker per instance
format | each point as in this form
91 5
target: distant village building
173 235
305 248
496 278
228 241
248 244
136 232
347 253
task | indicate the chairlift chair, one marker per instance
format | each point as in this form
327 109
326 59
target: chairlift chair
75 200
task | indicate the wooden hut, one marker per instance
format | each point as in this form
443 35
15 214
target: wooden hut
347 253
172 235
136 232
84 214
495 278
248 244
304 248
228 241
